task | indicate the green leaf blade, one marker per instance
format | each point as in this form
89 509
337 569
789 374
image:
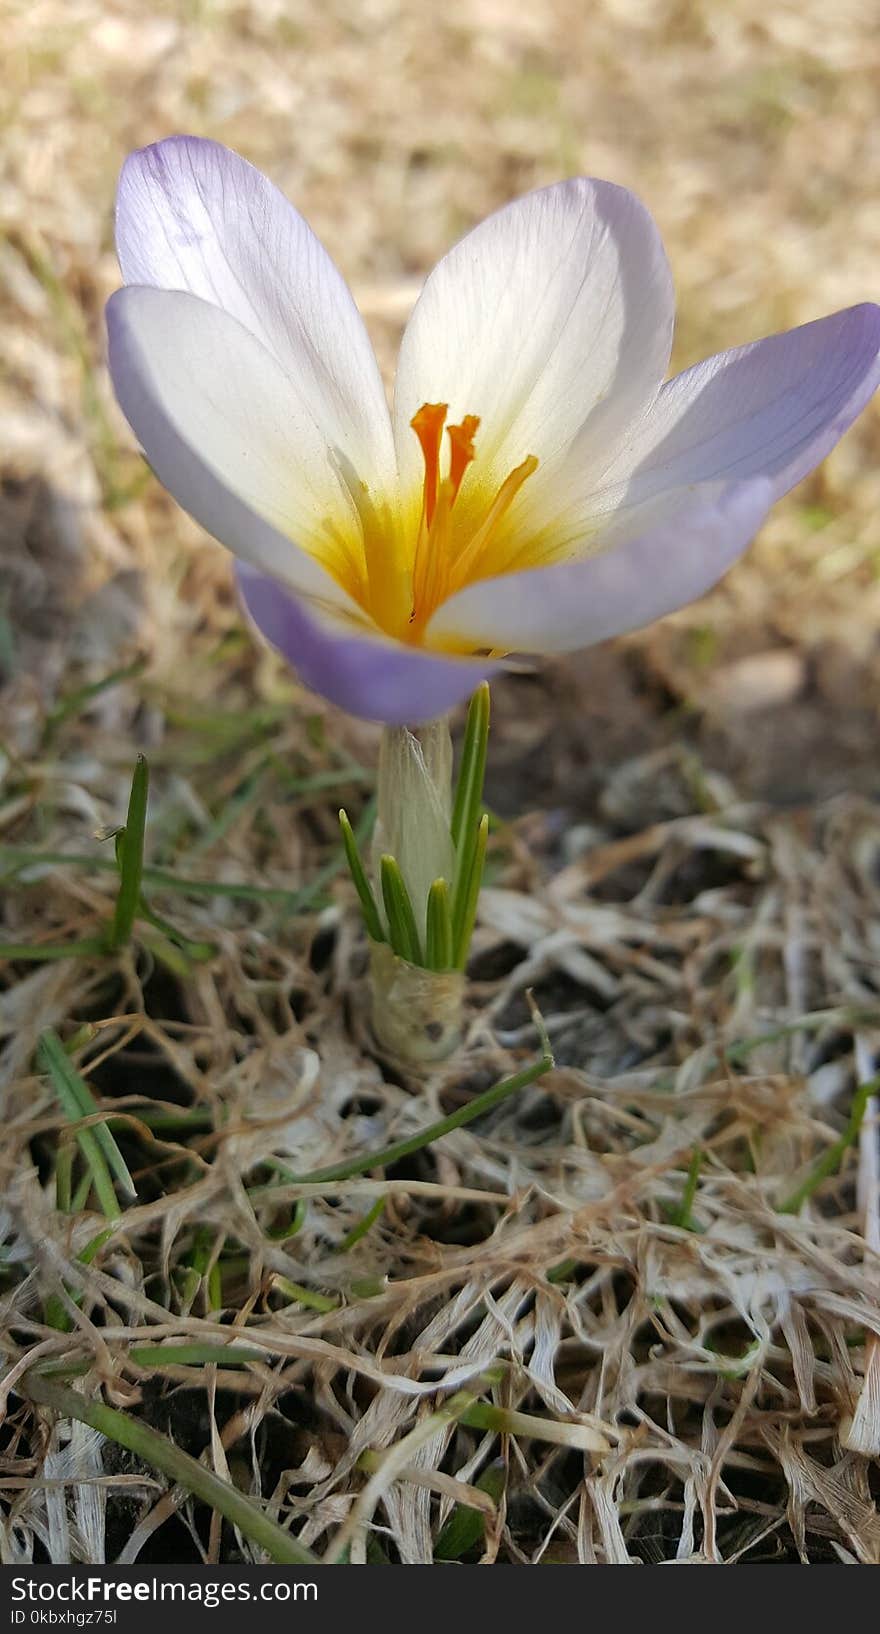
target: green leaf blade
438 935
402 932
130 855
86 947
472 771
476 1108
361 883
98 1147
467 895
161 1453
466 1527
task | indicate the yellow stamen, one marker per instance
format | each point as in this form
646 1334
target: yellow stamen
467 564
384 588
433 559
400 574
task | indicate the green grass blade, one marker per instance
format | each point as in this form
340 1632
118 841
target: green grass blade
75 701
18 858
469 788
57 1314
96 1143
469 826
438 936
467 895
160 1453
466 1527
96 1164
45 953
98 1176
681 1215
476 1108
64 1178
402 933
830 1161
484 1415
231 809
361 883
159 1357
8 651
81 1195
298 1295
363 1226
194 1355
197 951
562 1270
283 1233
83 1098
130 855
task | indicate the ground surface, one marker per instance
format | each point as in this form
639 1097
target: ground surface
686 866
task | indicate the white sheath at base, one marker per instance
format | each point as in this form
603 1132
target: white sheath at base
417 1014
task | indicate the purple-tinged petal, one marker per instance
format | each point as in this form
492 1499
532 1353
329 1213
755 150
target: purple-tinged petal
774 408
192 215
366 675
224 430
551 320
671 555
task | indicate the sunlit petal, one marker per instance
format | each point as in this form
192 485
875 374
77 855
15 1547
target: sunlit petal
774 408
552 321
192 215
224 430
664 554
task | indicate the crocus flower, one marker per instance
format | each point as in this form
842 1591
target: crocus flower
536 486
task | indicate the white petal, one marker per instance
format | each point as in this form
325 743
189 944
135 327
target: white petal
224 430
774 408
552 321
192 215
664 555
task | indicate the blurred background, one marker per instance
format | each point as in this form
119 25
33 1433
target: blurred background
679 931
750 132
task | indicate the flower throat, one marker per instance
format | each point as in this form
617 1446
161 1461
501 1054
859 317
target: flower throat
400 584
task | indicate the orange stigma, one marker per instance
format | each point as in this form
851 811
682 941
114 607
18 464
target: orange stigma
446 556
428 426
462 450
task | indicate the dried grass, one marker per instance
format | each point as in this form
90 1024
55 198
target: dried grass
691 886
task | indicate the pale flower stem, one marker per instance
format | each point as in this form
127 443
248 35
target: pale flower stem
414 807
417 1012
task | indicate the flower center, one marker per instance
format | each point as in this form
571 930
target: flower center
400 573
447 558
